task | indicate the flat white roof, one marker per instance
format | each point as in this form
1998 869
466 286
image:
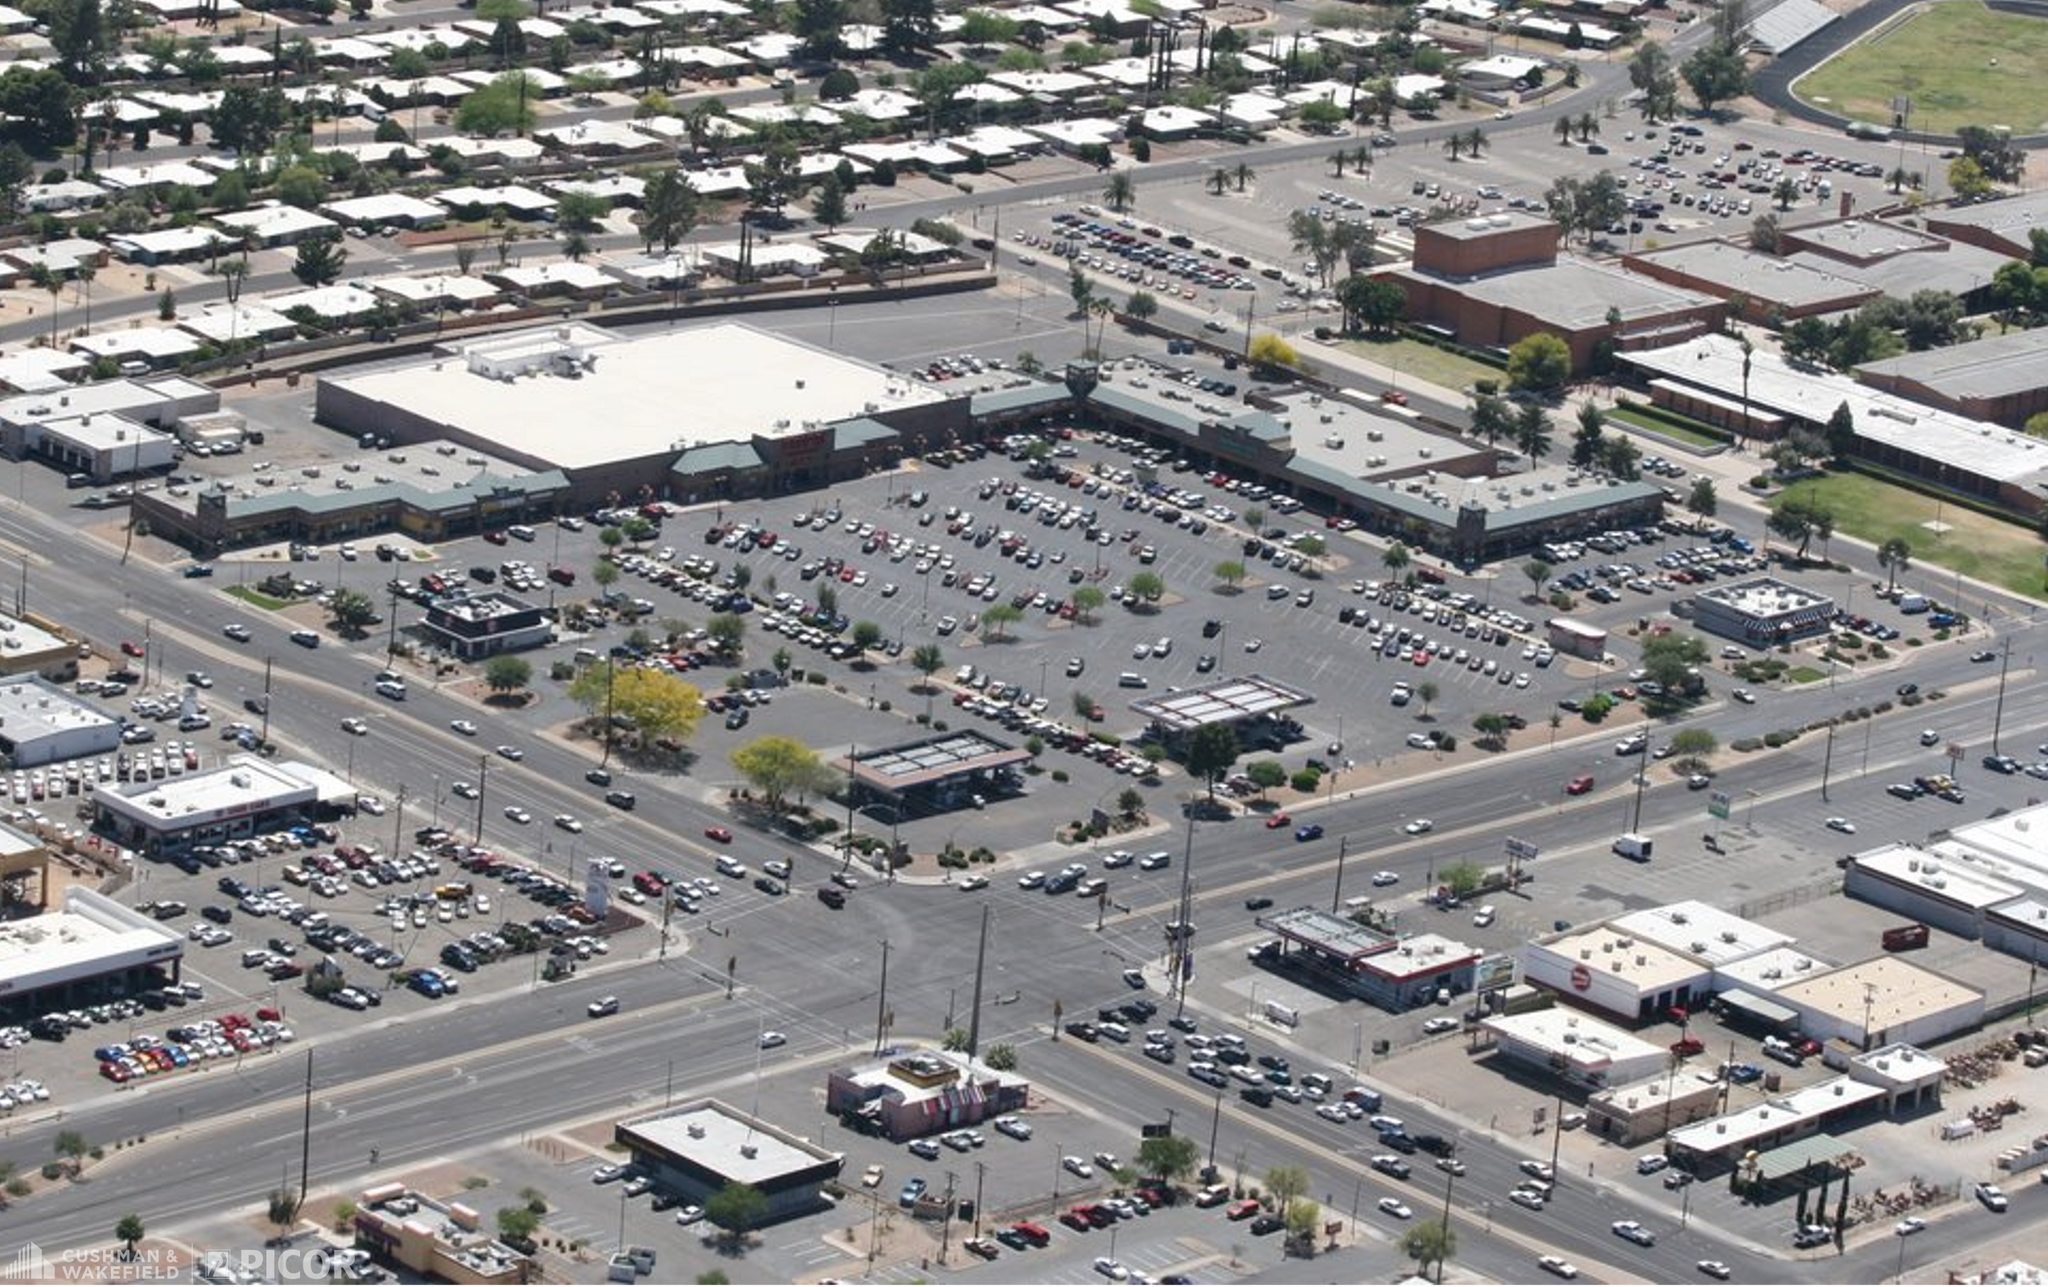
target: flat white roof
1894 991
729 1144
1896 1064
32 707
2009 844
1700 930
1638 962
1764 597
91 935
18 636
1979 447
652 393
246 784
1765 972
1956 879
1734 1130
1573 1034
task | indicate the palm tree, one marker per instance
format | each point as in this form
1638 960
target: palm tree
1786 193
1895 556
1395 558
1587 126
1121 192
1475 141
1104 308
1454 145
1563 130
1218 181
1243 174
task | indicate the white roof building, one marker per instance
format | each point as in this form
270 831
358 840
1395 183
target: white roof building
387 208
521 202
340 303
274 223
1576 1046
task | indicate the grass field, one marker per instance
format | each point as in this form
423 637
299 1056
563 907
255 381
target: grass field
1977 546
1425 362
256 598
1676 432
1960 63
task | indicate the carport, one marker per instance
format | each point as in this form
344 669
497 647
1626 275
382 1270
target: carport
934 774
1252 705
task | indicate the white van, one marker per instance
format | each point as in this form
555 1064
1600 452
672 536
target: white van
1130 679
1484 917
1284 1015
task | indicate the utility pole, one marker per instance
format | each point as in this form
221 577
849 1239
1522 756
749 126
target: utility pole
266 699
882 998
974 1007
1635 821
980 1174
1215 1126
1181 939
1998 711
946 1226
483 776
398 820
1556 1138
1337 894
1827 761
306 1131
1450 1181
611 679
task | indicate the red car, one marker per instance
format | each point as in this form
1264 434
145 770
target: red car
1243 1210
130 647
723 835
1277 821
1579 785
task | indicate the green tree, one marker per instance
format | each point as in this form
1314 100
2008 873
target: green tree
829 206
1620 457
1692 746
1841 432
1142 306
1079 288
817 23
282 1210
1538 572
353 611
319 260
1211 750
580 211
301 186
1672 657
778 767
1539 363
1371 305
1088 600
1150 587
1266 774
726 629
737 1209
1894 556
1285 1184
1170 1157
1716 73
1492 416
657 705
1395 558
1702 499
72 1146
1797 517
1786 193
1492 729
954 1039
1002 1056
517 1224
1462 878
128 1230
668 211
1428 691
1431 1240
996 622
1270 355
867 635
908 24
1532 431
927 660
507 674
605 574
506 105
1229 572
1120 191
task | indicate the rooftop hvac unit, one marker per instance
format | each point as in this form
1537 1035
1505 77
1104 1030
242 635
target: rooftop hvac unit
1642 959
1728 936
1375 435
1698 947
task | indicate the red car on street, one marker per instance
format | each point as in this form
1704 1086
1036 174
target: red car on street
723 835
1579 785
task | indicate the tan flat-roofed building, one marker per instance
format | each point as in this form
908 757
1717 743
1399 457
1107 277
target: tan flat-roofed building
1883 1000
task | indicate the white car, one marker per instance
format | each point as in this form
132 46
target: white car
371 805
467 790
1078 1167
1909 1226
1559 1265
517 814
689 1216
1634 1232
772 1039
568 823
1112 1269
1014 1127
1842 825
1398 1209
1420 827
1442 1023
1381 879
355 726
976 881
463 726
512 753
236 631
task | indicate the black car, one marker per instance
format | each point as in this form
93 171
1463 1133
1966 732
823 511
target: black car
768 885
1083 1029
217 914
1907 690
1267 1223
1258 1096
